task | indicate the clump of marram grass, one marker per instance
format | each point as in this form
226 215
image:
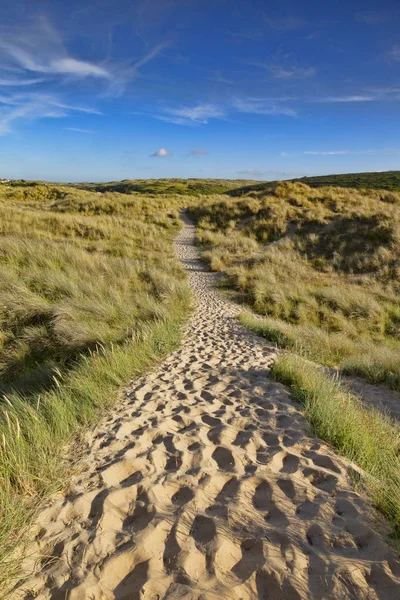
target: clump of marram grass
367 437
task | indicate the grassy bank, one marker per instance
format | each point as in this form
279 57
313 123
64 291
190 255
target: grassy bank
321 265
366 437
92 295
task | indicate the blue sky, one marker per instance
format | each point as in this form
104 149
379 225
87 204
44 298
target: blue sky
113 89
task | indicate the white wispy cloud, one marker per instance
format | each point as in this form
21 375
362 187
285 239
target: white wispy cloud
292 72
387 151
161 153
28 111
199 152
20 107
78 130
326 152
40 49
191 115
350 98
123 74
283 70
263 106
19 82
84 109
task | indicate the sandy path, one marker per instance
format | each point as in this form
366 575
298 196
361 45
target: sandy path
203 485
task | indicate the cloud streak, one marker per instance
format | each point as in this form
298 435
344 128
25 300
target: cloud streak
39 49
341 152
199 114
281 71
78 130
263 106
25 107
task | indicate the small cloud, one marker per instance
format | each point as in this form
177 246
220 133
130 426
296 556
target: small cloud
77 129
161 153
199 152
284 153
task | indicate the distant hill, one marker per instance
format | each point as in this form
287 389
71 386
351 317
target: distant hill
384 180
167 186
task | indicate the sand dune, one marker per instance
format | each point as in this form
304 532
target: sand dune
204 484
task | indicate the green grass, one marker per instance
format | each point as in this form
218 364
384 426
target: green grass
376 363
366 437
321 265
91 295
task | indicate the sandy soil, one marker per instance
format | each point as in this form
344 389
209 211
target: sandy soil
203 484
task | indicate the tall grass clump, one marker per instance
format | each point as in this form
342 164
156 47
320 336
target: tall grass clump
366 437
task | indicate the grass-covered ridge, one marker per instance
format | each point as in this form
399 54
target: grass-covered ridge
380 180
169 187
91 295
322 264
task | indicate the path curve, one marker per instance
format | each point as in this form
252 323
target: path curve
204 485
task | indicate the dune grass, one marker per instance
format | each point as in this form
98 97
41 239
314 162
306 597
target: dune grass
91 295
321 265
366 437
376 363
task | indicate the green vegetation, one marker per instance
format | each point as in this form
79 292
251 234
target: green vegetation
321 264
168 187
382 180
91 295
366 437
